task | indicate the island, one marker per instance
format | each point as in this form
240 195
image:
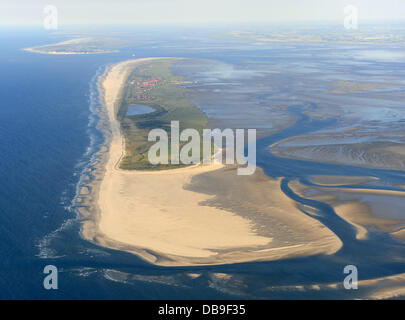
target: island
184 216
87 45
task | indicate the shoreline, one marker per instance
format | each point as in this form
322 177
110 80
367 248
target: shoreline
42 49
34 50
164 222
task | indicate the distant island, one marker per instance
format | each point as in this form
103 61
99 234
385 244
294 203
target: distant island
338 35
80 46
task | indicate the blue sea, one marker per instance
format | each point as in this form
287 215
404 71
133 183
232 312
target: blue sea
48 144
48 138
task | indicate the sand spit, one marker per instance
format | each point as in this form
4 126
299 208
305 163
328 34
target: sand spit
387 287
201 215
45 48
67 52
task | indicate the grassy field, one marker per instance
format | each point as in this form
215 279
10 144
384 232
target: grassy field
152 84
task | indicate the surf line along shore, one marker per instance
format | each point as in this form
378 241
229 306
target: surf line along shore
167 219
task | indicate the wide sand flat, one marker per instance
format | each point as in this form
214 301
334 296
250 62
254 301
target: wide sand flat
157 216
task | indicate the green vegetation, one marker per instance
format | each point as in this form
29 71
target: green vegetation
152 84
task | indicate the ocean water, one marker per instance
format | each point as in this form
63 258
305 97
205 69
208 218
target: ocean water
44 116
48 145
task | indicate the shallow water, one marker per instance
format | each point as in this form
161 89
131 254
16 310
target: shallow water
138 109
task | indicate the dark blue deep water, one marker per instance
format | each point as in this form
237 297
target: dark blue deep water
48 137
43 121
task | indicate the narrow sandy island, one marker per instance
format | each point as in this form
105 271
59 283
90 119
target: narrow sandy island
170 218
74 46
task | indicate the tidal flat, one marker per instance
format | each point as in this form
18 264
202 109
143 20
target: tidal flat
293 208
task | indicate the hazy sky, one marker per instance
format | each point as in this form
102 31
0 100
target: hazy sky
19 12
